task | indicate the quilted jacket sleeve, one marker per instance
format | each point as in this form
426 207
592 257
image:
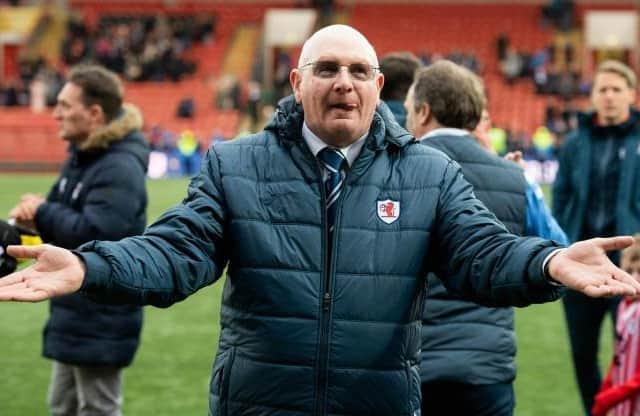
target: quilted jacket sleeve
478 259
180 253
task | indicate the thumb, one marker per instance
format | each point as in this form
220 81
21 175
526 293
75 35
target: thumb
26 252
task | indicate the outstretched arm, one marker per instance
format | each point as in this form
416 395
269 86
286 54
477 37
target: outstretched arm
481 261
179 254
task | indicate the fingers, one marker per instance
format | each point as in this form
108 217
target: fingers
609 290
12 278
614 283
27 208
22 212
26 252
613 243
623 277
19 212
21 291
30 208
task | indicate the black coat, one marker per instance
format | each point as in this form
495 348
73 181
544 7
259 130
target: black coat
100 194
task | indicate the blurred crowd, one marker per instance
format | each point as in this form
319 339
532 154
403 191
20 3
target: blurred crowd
151 48
140 48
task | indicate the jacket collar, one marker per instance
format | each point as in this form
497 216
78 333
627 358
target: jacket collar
588 121
129 120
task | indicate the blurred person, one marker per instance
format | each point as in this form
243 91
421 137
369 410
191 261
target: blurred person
482 131
254 94
398 69
189 152
512 65
619 394
100 194
468 350
326 223
595 194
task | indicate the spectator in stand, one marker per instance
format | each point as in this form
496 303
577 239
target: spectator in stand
560 13
502 45
512 65
254 94
595 193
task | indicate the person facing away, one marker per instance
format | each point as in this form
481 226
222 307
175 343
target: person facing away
327 223
100 194
619 394
398 69
595 194
468 350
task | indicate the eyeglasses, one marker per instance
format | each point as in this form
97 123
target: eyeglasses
330 70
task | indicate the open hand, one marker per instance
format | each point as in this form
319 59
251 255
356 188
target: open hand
56 272
584 266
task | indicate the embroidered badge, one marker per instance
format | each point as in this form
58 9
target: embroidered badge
388 210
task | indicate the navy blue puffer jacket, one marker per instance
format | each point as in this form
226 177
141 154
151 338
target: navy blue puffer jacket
100 194
302 335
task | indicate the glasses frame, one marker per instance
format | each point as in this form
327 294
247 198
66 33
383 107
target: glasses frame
312 64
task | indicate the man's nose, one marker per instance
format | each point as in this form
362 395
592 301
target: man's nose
343 79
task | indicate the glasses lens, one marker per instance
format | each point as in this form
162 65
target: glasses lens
361 72
326 69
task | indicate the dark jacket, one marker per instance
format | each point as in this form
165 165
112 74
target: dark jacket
301 334
571 189
399 112
464 342
100 194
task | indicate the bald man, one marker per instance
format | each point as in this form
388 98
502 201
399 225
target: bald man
327 223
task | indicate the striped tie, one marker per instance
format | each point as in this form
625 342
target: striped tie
333 161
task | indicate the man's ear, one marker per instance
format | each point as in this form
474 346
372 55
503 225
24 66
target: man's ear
295 79
97 114
380 82
424 114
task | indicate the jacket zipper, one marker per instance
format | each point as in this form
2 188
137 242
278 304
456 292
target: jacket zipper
325 313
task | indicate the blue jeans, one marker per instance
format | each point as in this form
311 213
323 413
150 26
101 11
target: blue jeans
460 399
584 317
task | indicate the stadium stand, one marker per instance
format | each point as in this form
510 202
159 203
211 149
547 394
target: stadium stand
434 27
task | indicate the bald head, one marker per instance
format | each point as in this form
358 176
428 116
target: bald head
338 84
314 44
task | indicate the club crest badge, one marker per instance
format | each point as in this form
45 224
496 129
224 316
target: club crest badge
388 210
